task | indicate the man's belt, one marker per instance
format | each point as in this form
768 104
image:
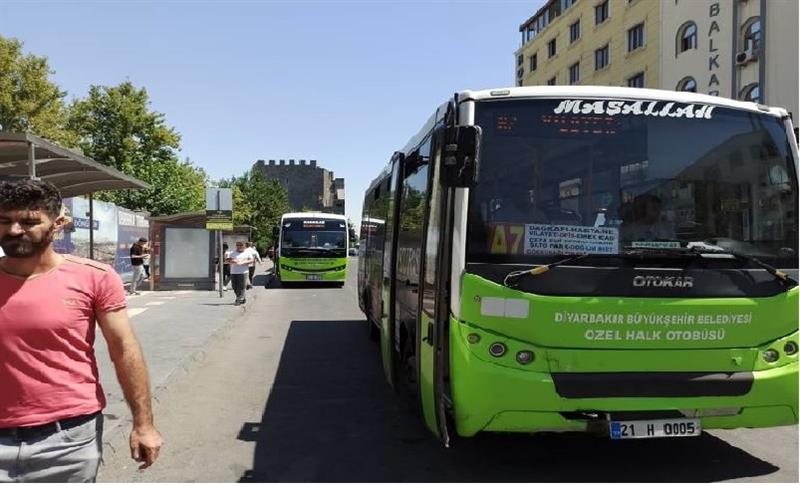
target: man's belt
23 433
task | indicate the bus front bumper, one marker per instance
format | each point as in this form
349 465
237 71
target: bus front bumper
496 396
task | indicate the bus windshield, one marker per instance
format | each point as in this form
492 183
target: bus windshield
585 176
314 238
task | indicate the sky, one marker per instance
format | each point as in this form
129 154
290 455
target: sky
345 83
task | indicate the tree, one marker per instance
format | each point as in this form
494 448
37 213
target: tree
115 126
351 230
258 202
29 101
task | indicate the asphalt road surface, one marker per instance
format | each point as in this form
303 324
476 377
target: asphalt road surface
293 391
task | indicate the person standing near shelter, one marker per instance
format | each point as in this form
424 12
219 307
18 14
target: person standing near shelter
240 260
251 249
137 261
146 260
226 267
51 424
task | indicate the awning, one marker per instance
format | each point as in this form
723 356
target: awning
73 173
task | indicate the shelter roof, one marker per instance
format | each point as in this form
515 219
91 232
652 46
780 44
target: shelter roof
74 174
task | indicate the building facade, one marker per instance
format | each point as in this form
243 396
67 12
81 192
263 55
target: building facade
741 49
309 186
609 42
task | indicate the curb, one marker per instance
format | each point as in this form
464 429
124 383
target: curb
123 425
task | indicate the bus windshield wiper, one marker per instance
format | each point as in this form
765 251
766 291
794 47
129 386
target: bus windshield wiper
709 252
511 278
706 251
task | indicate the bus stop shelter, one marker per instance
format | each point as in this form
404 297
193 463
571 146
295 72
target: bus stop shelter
23 155
185 252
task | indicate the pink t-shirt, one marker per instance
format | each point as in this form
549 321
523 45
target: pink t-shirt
48 369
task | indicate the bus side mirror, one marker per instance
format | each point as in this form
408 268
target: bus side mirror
460 157
276 232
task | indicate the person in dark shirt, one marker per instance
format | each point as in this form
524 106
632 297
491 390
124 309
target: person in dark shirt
137 261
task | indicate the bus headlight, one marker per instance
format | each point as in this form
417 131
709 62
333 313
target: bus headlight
771 355
790 348
473 338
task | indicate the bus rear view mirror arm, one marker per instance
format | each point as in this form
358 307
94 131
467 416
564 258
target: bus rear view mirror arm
460 157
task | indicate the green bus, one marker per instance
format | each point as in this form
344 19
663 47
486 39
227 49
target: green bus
311 247
574 258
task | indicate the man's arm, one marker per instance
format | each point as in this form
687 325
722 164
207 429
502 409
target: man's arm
145 440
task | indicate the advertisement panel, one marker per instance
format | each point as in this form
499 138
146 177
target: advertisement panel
62 240
105 230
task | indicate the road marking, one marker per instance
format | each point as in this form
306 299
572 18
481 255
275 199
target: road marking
154 303
132 312
166 297
182 292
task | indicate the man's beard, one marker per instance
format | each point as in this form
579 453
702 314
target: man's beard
26 247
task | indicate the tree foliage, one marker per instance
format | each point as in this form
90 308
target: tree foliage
115 125
258 202
29 101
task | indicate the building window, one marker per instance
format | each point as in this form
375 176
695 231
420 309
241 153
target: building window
635 37
575 31
551 81
532 61
687 84
636 81
519 60
565 4
575 73
601 58
601 13
687 37
752 34
551 48
520 73
751 92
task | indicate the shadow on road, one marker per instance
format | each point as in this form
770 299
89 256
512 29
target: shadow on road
331 417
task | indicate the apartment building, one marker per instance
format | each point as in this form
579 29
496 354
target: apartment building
741 49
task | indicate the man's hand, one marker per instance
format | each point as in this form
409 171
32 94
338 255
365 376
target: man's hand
145 445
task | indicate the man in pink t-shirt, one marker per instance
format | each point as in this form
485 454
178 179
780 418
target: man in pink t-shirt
50 395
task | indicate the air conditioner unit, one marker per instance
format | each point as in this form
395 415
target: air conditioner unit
746 56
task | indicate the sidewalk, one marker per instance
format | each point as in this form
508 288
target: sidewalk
173 329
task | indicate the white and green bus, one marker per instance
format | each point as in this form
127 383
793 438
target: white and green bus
598 259
311 247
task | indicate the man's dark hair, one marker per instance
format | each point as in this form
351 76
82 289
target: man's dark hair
28 194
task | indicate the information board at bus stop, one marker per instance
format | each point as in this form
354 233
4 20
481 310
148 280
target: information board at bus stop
219 209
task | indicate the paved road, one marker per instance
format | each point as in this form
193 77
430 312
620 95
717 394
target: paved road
294 392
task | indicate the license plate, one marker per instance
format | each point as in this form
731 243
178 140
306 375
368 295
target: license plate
313 277
654 428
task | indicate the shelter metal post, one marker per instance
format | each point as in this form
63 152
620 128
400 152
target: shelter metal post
91 226
31 160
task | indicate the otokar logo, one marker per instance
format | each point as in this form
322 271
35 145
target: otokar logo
663 281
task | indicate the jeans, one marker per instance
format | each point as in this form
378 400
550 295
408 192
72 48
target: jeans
138 274
68 455
251 270
239 282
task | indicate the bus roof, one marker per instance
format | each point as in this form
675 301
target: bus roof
614 92
313 215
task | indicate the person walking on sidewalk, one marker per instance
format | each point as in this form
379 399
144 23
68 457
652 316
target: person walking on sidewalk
240 260
51 425
251 270
137 262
